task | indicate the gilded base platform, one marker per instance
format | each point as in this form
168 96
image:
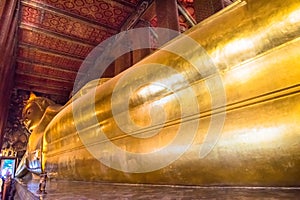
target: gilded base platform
87 190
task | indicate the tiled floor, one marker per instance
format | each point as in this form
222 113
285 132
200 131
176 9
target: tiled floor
82 190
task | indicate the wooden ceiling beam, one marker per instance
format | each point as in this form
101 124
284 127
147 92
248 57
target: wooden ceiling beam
39 56
34 37
45 85
38 80
126 3
55 34
48 67
135 16
41 89
51 51
20 72
48 71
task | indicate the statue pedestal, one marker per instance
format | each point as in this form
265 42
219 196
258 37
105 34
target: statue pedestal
89 190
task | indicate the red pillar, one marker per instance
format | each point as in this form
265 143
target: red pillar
122 63
8 23
206 8
139 54
167 17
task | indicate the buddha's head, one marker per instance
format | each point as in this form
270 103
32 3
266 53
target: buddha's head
34 111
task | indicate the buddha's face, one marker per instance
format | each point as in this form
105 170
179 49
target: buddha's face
32 115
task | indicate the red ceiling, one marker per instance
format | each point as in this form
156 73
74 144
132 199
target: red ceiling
36 55
110 13
55 36
70 26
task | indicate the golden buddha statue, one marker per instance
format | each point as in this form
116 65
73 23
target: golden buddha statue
34 110
37 114
236 122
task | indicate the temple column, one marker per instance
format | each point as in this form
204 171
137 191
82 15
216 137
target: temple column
206 8
167 17
123 62
8 23
144 40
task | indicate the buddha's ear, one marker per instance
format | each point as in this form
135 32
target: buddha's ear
32 96
45 103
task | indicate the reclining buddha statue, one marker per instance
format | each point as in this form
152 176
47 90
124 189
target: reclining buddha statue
217 105
37 114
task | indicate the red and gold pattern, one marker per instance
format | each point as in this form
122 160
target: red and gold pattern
189 7
61 33
107 12
184 25
54 43
63 24
39 56
56 35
